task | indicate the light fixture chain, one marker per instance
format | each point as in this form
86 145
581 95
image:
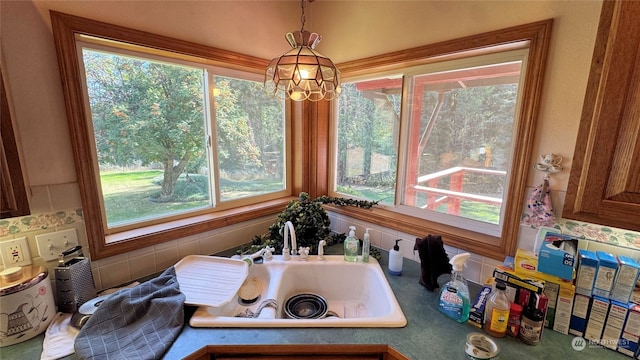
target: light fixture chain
303 19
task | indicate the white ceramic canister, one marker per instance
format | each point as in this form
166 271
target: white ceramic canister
26 303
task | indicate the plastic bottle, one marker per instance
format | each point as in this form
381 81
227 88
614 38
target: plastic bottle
395 260
366 244
454 296
351 246
496 313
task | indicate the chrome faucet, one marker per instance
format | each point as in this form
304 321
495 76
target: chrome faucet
288 228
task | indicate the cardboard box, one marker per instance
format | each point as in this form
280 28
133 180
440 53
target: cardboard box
526 265
626 278
509 277
557 255
597 318
635 296
607 268
525 262
630 340
476 313
611 335
551 290
578 324
587 270
563 310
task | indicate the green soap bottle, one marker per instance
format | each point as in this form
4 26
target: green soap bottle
351 246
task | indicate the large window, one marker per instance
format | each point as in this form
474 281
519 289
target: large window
156 153
441 136
459 121
367 132
170 138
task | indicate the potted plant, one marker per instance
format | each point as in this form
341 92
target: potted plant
310 222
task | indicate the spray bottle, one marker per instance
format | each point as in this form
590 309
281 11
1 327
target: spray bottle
454 296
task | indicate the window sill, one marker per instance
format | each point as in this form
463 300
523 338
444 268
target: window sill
130 240
477 243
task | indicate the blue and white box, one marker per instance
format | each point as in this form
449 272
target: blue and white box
557 255
626 279
597 318
630 339
587 270
607 268
612 334
579 315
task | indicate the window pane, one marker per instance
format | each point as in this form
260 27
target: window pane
149 129
368 125
460 132
250 138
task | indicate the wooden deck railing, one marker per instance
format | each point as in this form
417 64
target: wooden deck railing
454 195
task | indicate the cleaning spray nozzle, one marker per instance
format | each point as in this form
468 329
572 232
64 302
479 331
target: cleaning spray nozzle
458 261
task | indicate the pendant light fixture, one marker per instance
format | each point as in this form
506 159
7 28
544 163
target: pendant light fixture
302 73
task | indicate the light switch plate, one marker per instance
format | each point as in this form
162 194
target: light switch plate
52 244
15 252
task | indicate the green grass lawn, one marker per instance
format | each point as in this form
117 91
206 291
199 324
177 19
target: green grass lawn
129 195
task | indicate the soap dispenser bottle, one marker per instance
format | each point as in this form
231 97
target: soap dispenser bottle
395 260
366 245
351 246
454 296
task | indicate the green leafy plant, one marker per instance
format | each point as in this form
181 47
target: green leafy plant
310 222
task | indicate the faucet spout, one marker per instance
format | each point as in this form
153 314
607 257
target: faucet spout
289 231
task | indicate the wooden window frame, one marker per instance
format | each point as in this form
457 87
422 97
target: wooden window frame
66 29
309 136
537 36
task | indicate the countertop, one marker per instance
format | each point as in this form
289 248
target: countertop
427 335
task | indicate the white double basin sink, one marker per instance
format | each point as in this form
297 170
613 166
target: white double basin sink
357 295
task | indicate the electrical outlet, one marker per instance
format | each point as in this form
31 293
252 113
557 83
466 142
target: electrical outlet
15 252
52 244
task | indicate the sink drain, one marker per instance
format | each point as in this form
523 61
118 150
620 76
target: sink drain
248 302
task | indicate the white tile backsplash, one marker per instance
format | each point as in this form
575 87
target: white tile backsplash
125 268
112 274
140 266
473 270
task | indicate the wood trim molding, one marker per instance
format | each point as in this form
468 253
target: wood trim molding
295 351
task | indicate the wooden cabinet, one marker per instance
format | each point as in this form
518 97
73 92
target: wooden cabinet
13 194
604 185
307 351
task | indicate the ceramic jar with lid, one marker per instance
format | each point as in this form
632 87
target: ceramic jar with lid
26 303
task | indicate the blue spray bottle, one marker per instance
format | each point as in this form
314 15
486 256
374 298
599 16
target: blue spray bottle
454 296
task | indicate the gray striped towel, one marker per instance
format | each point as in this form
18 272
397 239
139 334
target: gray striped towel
137 323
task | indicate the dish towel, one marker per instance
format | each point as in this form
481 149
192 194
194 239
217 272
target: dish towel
60 335
540 206
434 261
137 323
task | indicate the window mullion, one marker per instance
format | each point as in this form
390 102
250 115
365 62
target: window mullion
212 146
